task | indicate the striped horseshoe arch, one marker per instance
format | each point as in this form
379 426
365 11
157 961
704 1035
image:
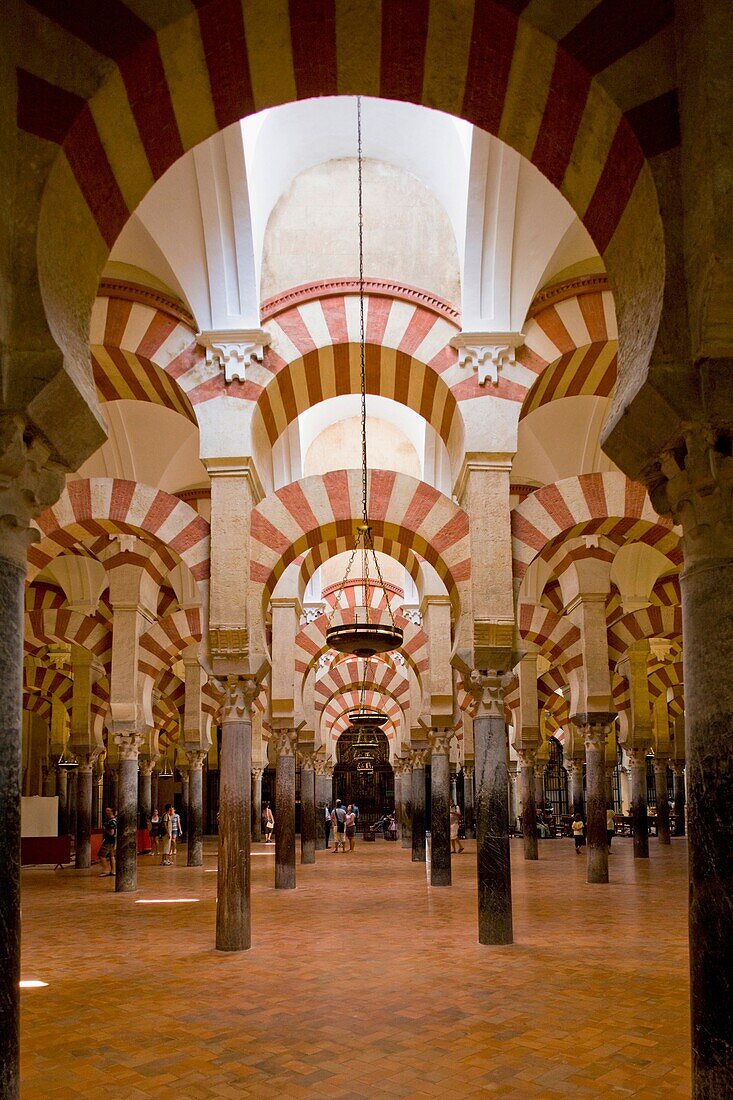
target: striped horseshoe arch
606 504
323 509
98 505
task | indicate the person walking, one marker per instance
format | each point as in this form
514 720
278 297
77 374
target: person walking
154 831
455 826
610 827
328 826
338 823
109 844
350 828
166 834
578 833
268 820
176 833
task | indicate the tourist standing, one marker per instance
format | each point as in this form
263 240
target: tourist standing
109 843
166 834
610 827
578 833
455 826
328 826
268 821
154 831
350 828
338 823
176 832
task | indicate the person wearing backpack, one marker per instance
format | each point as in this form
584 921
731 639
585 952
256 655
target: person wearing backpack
338 821
166 826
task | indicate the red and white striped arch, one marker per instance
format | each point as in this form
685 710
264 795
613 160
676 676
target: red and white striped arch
649 622
91 632
98 505
607 504
143 353
322 509
347 677
164 641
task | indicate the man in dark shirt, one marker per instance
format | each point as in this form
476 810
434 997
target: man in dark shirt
109 843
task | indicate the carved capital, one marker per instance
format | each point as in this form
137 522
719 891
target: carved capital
238 694
234 351
286 742
636 757
29 482
129 743
307 759
694 484
487 352
527 757
196 758
440 741
146 765
419 758
467 773
594 729
257 774
487 691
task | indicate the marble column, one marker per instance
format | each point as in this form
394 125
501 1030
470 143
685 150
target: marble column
527 793
398 795
62 791
126 864
468 801
539 784
323 799
83 857
257 804
662 801
71 792
233 913
12 581
454 787
679 799
307 808
419 759
637 782
154 790
574 769
492 810
145 768
405 822
512 796
595 729
285 810
440 799
609 770
195 833
48 781
182 770
108 788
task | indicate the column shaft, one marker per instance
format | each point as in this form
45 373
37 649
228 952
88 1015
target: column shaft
323 799
418 814
195 850
662 801
84 816
492 830
285 821
639 818
71 791
145 793
257 804
126 869
12 580
707 627
233 914
62 792
404 823
468 803
440 797
595 777
528 791
679 800
307 815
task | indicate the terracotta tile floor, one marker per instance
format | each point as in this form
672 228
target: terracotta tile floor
361 983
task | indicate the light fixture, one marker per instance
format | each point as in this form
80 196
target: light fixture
361 636
367 719
67 761
167 772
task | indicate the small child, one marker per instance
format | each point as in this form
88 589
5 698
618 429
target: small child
578 833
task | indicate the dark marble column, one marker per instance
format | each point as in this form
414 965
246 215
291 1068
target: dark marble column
468 801
405 823
707 628
574 769
126 866
307 809
398 770
527 793
323 799
71 789
440 799
195 834
49 781
257 804
637 789
62 790
419 758
83 856
662 801
12 581
285 810
492 810
679 799
145 772
595 729
233 913
154 790
183 772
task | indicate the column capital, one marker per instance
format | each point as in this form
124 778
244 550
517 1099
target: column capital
440 741
637 755
129 743
527 756
486 687
594 727
147 765
487 352
29 482
239 693
468 771
419 758
196 758
257 774
694 484
307 759
286 742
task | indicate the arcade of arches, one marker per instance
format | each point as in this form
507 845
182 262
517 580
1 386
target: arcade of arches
548 266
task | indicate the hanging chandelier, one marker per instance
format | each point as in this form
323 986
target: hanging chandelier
67 761
167 772
362 636
364 717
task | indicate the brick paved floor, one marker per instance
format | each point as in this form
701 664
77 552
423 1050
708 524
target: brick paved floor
361 983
